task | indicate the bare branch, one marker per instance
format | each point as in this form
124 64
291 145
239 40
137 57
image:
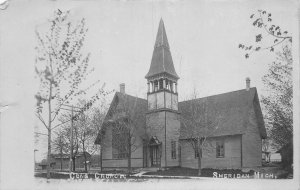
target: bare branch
41 119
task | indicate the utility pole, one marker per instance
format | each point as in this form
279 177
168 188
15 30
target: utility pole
71 151
35 159
79 110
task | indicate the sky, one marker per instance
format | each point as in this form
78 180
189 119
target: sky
203 38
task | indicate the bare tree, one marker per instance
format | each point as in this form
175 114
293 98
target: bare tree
200 121
86 133
65 134
98 115
61 68
85 130
60 145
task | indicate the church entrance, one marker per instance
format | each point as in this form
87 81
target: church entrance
155 156
155 152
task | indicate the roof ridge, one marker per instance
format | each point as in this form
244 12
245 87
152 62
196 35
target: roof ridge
130 96
252 88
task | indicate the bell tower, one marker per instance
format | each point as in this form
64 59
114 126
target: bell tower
162 119
162 78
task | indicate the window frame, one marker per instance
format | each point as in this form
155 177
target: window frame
220 149
196 152
119 132
173 150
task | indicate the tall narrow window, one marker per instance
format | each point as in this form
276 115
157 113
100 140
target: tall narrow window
173 149
119 142
155 86
161 84
196 153
220 149
167 85
171 86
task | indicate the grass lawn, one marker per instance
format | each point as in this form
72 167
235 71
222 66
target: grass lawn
206 172
279 172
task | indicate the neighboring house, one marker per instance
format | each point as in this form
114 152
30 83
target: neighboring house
161 135
43 164
286 153
59 161
275 157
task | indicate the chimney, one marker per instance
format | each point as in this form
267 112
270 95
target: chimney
122 88
247 83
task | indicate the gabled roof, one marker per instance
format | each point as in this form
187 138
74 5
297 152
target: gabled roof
228 111
232 110
135 107
161 59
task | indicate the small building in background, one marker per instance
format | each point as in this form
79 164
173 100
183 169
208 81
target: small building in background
61 162
286 153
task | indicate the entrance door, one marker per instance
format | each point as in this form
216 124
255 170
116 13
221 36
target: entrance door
155 156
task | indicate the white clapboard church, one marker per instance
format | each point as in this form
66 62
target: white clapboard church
157 131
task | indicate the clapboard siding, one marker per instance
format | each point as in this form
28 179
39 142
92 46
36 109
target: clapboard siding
252 143
232 158
136 162
172 130
107 144
108 161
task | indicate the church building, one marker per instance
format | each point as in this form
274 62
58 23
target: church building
161 132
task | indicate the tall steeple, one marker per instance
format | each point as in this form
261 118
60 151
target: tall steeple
162 121
161 62
162 77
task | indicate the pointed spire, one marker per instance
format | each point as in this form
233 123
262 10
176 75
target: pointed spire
161 59
161 37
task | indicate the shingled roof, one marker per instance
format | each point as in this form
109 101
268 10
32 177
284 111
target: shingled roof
161 59
232 108
135 107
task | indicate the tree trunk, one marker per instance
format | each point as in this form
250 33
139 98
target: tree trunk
61 158
129 157
49 132
100 164
49 154
85 164
74 166
199 161
84 155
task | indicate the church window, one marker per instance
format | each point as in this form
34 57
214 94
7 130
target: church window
196 153
167 84
220 149
161 84
171 86
119 142
155 85
173 149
